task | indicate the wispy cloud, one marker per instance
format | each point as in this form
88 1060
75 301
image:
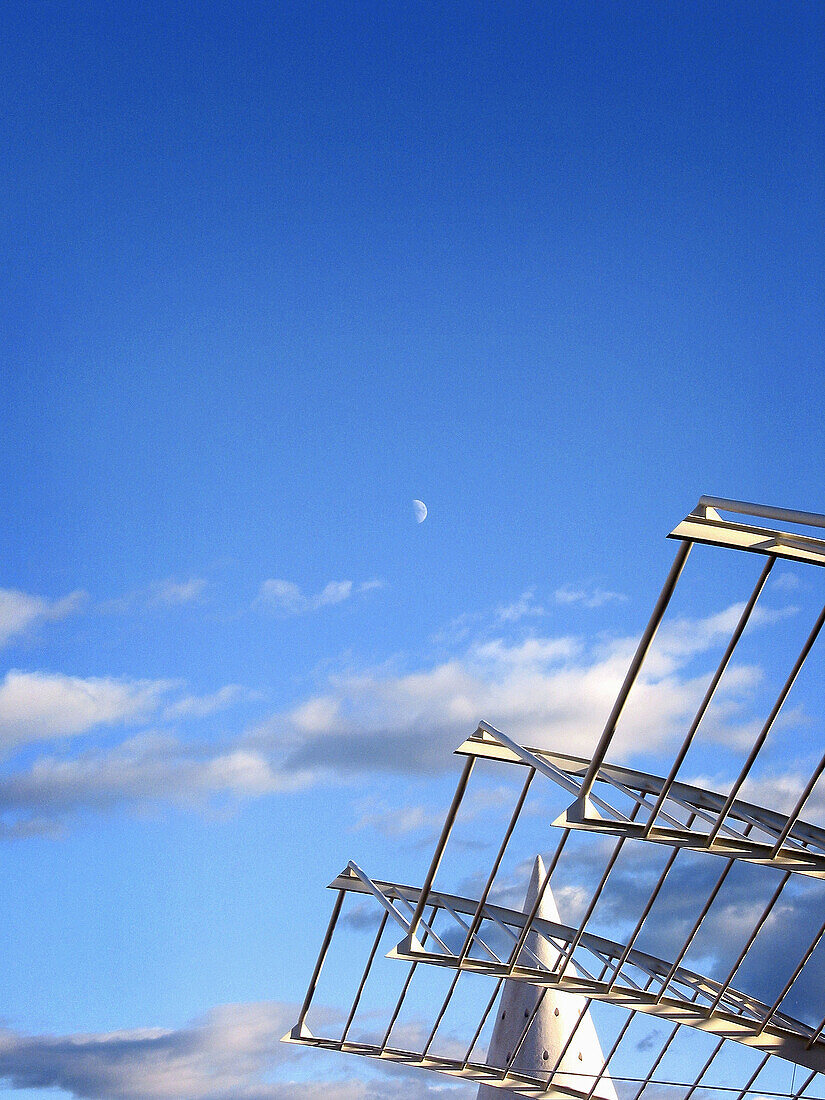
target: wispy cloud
786 582
150 770
233 1053
36 706
397 820
169 592
20 611
201 706
587 597
174 592
287 597
524 607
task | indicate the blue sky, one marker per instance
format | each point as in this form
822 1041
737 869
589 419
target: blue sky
269 273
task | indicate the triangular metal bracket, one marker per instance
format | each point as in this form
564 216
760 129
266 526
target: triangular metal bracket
299 1032
581 813
410 945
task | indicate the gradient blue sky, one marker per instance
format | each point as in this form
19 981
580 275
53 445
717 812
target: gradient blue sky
270 271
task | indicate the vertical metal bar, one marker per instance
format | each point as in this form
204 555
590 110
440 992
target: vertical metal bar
657 1061
482 1022
441 1012
322 954
792 979
565 957
438 854
531 916
816 1034
793 816
405 989
367 968
711 691
697 925
744 1092
756 929
704 1069
648 906
475 924
610 1054
804 1085
635 665
766 729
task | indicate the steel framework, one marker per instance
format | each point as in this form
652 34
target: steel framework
475 936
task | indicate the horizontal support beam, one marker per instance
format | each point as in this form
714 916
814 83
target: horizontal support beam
471 1071
568 772
772 1040
789 1038
479 1073
706 525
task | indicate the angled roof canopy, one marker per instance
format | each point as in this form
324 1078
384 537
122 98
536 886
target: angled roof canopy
477 939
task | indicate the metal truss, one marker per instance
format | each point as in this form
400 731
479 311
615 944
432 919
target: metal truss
705 524
465 935
639 976
589 965
631 803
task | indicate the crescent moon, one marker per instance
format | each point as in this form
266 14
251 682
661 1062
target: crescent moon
420 509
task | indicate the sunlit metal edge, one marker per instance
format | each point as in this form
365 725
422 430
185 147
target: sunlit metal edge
485 745
772 1039
705 525
473 1071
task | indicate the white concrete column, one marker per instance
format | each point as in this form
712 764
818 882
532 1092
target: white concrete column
551 1028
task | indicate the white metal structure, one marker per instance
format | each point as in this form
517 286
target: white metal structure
535 964
562 1032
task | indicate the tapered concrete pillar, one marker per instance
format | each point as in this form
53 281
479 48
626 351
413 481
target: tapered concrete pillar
556 1019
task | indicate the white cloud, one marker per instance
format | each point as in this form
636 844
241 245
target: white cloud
38 705
523 607
553 692
147 770
176 592
593 597
288 598
334 592
200 706
19 611
230 1054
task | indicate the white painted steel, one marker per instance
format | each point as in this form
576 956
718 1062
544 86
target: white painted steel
546 1044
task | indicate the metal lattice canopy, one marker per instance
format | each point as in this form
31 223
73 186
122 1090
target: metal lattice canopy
500 947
